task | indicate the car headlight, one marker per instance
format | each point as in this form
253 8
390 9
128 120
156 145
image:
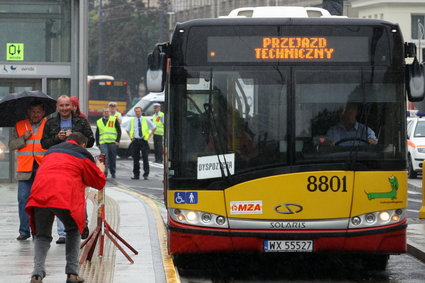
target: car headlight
421 149
378 218
198 218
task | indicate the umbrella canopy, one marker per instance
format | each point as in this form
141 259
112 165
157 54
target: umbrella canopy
14 106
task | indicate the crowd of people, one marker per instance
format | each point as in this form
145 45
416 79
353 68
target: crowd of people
54 167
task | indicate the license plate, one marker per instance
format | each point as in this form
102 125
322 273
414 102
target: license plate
288 246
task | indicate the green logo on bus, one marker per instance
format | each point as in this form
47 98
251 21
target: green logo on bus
391 194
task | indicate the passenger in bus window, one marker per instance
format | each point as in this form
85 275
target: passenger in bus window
113 111
349 131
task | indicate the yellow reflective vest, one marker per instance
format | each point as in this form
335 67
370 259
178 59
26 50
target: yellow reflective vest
107 133
145 128
156 119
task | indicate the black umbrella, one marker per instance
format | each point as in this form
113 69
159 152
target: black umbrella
14 106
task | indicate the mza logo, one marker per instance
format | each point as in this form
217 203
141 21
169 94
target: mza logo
246 207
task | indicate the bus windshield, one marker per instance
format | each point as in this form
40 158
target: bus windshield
109 90
247 112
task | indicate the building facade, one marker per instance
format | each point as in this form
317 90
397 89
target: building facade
409 14
43 46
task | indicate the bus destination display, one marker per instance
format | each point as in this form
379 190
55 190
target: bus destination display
288 48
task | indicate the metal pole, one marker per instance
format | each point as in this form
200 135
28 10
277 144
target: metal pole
100 47
421 29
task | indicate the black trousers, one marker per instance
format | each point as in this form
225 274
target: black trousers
137 146
157 143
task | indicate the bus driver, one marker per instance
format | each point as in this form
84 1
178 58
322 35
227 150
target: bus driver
350 132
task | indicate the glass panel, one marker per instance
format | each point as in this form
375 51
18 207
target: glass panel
337 115
236 111
57 87
44 29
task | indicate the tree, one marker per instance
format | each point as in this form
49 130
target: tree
130 32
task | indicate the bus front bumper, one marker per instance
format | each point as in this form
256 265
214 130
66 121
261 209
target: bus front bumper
389 239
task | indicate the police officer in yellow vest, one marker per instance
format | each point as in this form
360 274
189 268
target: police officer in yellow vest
139 129
108 135
26 138
158 119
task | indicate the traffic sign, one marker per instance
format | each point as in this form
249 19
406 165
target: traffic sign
15 51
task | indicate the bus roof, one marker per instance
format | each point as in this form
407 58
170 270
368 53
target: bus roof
243 21
279 11
100 77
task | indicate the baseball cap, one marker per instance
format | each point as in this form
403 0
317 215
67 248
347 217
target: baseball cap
112 103
156 104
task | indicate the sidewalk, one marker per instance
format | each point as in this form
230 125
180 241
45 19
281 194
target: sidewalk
130 216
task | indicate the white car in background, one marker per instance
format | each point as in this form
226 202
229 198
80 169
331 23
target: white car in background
415 145
146 103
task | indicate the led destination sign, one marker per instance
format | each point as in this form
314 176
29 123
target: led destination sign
294 48
288 48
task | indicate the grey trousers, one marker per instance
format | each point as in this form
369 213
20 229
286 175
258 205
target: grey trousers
44 218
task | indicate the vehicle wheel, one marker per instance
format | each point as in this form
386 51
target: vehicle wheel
375 262
123 153
412 173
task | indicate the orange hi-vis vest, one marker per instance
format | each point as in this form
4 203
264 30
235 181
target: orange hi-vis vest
33 149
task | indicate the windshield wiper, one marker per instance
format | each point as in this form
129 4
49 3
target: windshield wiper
212 127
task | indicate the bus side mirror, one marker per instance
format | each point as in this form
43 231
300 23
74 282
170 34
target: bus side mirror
156 74
415 81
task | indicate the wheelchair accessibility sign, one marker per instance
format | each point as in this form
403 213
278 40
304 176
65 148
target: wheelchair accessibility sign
185 197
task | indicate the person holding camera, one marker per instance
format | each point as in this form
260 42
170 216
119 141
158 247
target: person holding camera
59 190
58 128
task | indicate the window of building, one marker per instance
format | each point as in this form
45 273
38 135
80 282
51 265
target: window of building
56 87
43 27
418 23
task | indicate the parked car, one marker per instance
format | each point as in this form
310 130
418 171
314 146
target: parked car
146 103
415 145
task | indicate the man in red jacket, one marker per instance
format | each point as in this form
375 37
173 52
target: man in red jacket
59 189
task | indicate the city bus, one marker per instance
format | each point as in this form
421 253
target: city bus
103 89
250 165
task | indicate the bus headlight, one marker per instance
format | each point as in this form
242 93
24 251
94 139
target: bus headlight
378 218
384 216
198 218
191 216
356 221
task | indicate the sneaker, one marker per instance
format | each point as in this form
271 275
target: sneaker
113 176
36 279
145 177
85 233
135 178
73 278
22 237
61 240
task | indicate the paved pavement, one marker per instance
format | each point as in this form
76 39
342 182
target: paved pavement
137 220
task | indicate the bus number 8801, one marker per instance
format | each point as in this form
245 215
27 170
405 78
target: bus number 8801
324 183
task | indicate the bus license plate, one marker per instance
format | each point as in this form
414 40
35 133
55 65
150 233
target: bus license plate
288 246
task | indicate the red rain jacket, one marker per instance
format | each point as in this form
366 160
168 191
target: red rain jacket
61 180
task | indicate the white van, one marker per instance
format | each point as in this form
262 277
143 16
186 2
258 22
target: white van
146 103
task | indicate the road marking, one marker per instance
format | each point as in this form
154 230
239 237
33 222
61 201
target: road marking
414 200
414 193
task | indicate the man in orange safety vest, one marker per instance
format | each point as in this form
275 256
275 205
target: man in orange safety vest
25 138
